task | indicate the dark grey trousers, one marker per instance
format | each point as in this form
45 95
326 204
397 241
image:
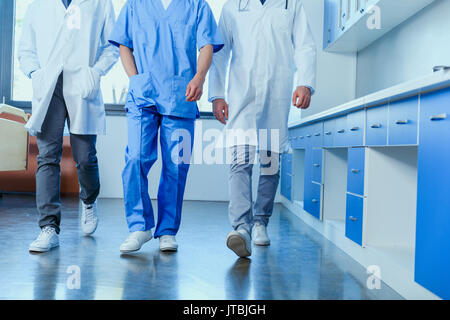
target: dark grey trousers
48 174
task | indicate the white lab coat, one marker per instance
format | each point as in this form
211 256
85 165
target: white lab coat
73 41
268 45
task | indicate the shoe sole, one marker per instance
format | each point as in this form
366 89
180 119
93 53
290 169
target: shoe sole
261 244
171 249
90 233
41 250
237 245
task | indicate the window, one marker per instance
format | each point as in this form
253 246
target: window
114 84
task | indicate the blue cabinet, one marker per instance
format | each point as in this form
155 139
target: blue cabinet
340 139
355 128
376 126
317 165
313 199
354 218
355 173
317 134
329 131
403 116
286 175
433 198
297 138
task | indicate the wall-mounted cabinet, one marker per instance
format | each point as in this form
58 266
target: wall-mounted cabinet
352 25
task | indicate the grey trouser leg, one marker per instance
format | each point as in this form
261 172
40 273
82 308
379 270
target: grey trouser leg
48 174
267 187
240 187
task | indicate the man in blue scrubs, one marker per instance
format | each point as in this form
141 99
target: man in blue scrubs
158 42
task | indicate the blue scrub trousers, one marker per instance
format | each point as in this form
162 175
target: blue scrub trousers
176 140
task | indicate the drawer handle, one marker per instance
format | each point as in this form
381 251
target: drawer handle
402 121
341 131
317 134
354 129
439 117
315 201
355 171
353 218
376 126
328 133
308 136
316 165
302 137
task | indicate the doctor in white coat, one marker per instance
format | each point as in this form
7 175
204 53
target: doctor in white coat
268 41
64 49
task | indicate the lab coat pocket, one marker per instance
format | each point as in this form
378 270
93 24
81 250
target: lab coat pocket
89 83
280 19
38 83
141 90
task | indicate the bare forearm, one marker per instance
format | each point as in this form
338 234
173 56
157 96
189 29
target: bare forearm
127 58
204 61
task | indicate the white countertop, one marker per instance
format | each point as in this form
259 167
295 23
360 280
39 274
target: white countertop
427 83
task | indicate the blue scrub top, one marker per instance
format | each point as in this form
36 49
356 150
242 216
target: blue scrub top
164 44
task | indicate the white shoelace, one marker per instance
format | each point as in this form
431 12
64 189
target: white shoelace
89 213
46 232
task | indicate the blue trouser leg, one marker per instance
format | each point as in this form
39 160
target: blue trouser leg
141 154
176 138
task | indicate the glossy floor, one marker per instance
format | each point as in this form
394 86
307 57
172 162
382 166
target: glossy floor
300 263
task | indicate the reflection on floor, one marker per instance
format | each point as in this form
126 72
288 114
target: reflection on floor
300 263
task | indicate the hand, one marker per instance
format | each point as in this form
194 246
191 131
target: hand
220 110
302 97
93 84
195 89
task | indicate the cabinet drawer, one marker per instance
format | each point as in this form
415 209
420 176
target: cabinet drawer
403 117
355 173
354 218
329 131
308 133
286 163
355 128
286 185
340 138
317 165
376 126
432 261
317 135
297 138
313 197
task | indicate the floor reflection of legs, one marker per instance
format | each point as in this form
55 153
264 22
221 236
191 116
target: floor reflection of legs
237 282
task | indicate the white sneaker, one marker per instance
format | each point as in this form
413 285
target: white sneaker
89 218
168 243
240 243
260 237
135 241
46 240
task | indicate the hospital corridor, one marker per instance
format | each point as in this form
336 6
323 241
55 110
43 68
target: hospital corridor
232 159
